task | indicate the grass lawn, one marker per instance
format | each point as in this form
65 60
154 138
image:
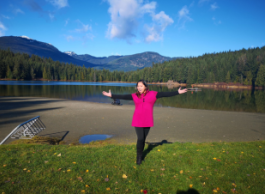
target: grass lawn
168 168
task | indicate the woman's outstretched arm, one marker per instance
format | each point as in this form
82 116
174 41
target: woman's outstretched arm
169 94
118 96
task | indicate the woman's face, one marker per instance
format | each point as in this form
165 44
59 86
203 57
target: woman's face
140 87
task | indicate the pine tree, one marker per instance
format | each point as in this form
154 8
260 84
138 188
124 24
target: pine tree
260 81
9 73
16 71
228 78
32 73
44 74
2 69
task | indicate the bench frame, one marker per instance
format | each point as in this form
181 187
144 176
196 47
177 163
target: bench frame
26 130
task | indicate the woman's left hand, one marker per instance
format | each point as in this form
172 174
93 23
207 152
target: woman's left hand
182 91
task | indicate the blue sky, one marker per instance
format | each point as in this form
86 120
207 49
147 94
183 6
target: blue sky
174 28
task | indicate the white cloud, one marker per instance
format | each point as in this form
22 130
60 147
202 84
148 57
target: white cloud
35 6
161 21
81 33
148 8
66 22
83 39
214 6
88 36
6 17
183 12
125 17
51 16
59 3
153 34
184 16
69 38
2 29
216 22
18 11
84 27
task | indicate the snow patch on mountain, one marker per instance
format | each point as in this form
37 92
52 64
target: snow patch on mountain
25 37
70 53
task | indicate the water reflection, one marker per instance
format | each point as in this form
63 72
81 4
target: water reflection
228 100
89 138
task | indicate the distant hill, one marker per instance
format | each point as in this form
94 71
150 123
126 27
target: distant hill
140 60
126 63
122 63
92 59
42 49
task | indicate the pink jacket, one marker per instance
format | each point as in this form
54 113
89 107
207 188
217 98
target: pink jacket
143 113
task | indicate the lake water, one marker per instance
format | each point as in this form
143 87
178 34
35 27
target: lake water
209 99
95 137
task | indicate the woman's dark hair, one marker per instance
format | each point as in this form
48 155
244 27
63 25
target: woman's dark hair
146 88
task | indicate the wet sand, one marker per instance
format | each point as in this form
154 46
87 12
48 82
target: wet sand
74 119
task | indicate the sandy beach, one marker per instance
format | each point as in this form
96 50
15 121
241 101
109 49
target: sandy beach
74 119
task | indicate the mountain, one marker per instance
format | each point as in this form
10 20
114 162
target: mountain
140 60
92 59
133 62
26 45
126 63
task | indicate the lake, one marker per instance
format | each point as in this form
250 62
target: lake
209 99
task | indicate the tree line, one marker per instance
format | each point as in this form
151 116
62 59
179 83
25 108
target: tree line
244 66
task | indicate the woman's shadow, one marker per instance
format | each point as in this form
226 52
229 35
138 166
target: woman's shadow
152 145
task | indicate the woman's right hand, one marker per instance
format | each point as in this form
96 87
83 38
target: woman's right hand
107 93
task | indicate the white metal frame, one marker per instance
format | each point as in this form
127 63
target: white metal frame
26 130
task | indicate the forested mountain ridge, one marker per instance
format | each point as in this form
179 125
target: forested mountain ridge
243 66
140 60
92 59
127 62
41 49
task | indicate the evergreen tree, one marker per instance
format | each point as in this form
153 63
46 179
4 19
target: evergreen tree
9 74
16 71
248 80
228 78
260 81
44 75
2 69
32 73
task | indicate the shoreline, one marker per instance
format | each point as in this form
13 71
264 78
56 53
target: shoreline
226 86
170 84
74 119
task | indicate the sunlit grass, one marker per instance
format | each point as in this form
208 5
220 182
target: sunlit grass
168 168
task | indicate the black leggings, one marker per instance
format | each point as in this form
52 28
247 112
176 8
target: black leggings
142 133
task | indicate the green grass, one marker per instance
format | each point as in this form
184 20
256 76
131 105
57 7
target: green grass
169 168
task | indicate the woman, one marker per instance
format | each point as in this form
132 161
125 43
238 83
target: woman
144 101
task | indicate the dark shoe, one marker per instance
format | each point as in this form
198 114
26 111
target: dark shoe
139 159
